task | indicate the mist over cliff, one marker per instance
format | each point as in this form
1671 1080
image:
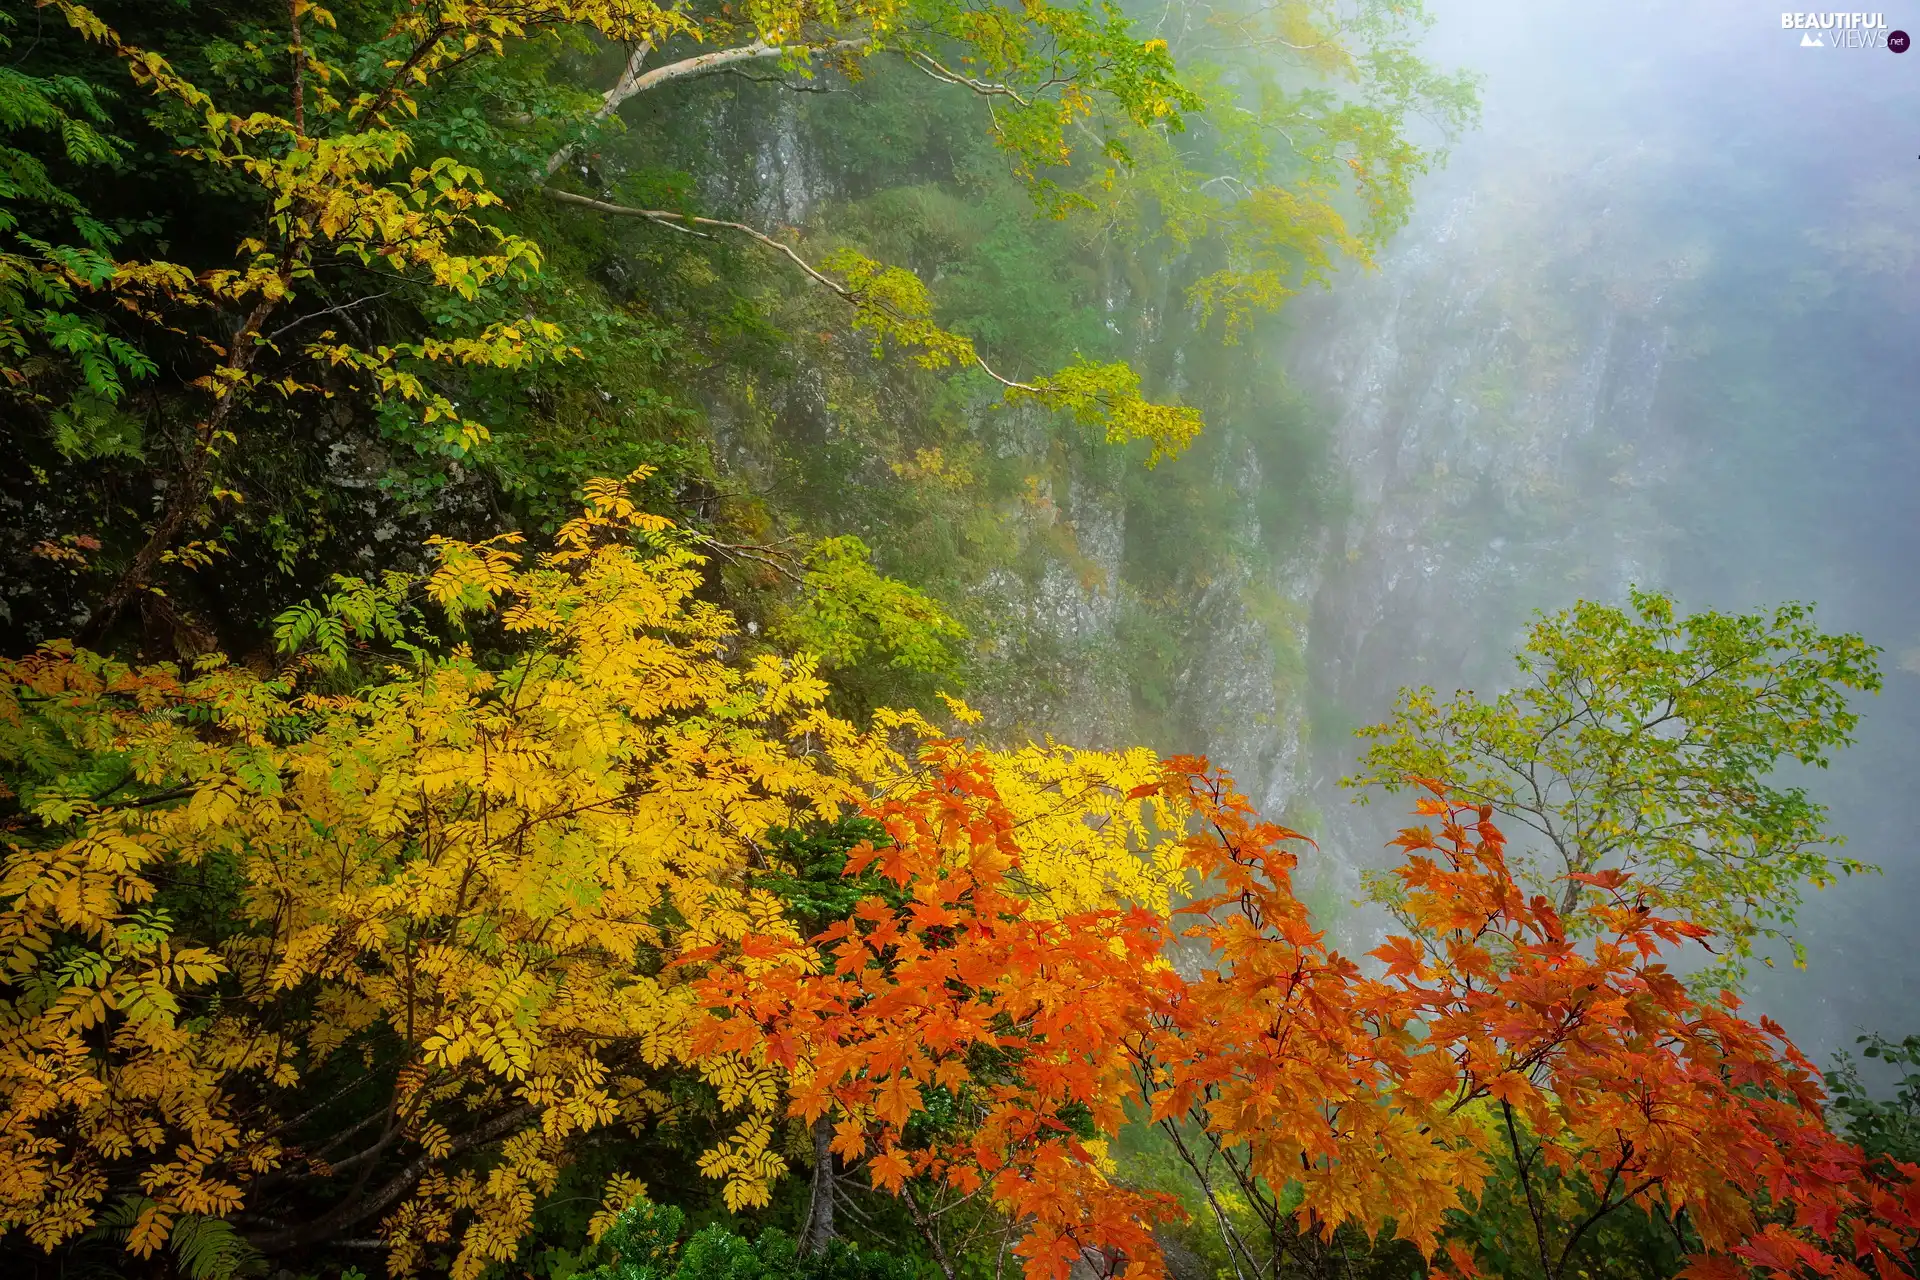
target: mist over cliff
1653 324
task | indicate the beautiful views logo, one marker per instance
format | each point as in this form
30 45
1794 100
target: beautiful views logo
1842 30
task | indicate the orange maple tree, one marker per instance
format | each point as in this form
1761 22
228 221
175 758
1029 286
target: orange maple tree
964 1045
1593 1060
950 1000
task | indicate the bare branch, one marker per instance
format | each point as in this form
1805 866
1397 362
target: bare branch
686 222
772 555
340 309
358 1208
1523 1167
720 59
610 101
986 89
927 1232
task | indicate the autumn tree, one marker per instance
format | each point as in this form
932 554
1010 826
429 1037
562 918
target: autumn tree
363 947
444 894
1596 1066
1640 741
1491 1035
477 905
966 1046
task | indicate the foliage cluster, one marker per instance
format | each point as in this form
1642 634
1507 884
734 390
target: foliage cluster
268 934
1374 1101
1639 741
643 1240
516 858
1885 1128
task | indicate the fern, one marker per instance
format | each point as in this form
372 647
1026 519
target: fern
203 1248
210 1249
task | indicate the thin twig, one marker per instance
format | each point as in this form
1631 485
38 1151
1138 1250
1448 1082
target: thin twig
685 221
986 89
329 311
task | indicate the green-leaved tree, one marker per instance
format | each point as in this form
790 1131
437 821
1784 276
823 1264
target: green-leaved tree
1645 744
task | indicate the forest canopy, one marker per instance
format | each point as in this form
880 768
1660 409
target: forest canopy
503 502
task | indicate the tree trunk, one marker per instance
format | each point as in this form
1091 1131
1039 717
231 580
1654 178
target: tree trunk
924 1224
819 1229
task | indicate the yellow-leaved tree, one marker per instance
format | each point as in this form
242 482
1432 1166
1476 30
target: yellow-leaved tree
366 944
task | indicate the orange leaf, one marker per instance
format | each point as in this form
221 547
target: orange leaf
1510 1087
897 1099
1713 1266
890 1170
1402 956
1460 1257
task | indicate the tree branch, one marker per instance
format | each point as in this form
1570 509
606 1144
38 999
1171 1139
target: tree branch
1607 1205
299 55
1521 1167
385 99
719 59
687 222
927 1233
610 101
360 1208
926 64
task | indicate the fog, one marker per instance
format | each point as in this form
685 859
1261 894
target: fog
1681 261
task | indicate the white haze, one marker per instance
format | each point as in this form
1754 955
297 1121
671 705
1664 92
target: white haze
1656 322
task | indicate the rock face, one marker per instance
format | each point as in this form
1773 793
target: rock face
1500 458
1058 668
1496 454
1489 395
